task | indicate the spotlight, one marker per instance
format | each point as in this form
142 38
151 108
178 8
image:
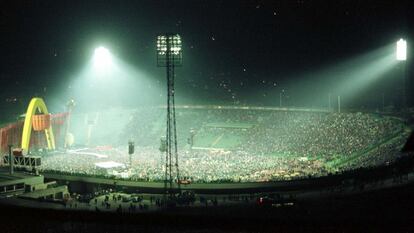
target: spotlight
401 50
102 58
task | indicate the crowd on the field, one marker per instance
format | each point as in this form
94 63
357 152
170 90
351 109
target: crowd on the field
195 166
277 145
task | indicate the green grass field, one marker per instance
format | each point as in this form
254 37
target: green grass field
219 140
222 135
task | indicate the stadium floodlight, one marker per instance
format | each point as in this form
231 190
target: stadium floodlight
169 49
169 55
102 58
401 50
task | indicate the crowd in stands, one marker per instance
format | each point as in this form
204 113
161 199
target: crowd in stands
277 145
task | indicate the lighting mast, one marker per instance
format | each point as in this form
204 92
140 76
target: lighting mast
401 55
169 55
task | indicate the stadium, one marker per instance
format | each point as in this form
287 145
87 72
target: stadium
237 145
220 147
158 115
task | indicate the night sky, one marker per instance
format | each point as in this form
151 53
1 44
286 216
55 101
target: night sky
248 47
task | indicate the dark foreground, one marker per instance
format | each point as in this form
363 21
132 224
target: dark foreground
390 210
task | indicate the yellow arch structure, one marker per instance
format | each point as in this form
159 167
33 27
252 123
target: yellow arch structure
39 105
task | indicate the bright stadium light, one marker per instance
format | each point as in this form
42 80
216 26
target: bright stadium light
169 55
401 50
102 58
169 48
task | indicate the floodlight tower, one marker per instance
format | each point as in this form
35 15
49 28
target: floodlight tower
169 55
401 55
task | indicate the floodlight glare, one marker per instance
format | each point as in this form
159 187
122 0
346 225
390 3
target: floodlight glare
401 50
101 58
169 47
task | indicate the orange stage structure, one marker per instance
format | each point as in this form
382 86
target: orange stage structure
11 134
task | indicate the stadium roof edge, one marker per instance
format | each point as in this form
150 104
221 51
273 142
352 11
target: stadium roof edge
227 107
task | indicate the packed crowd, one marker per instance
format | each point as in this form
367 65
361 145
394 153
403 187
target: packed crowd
279 145
195 166
320 135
